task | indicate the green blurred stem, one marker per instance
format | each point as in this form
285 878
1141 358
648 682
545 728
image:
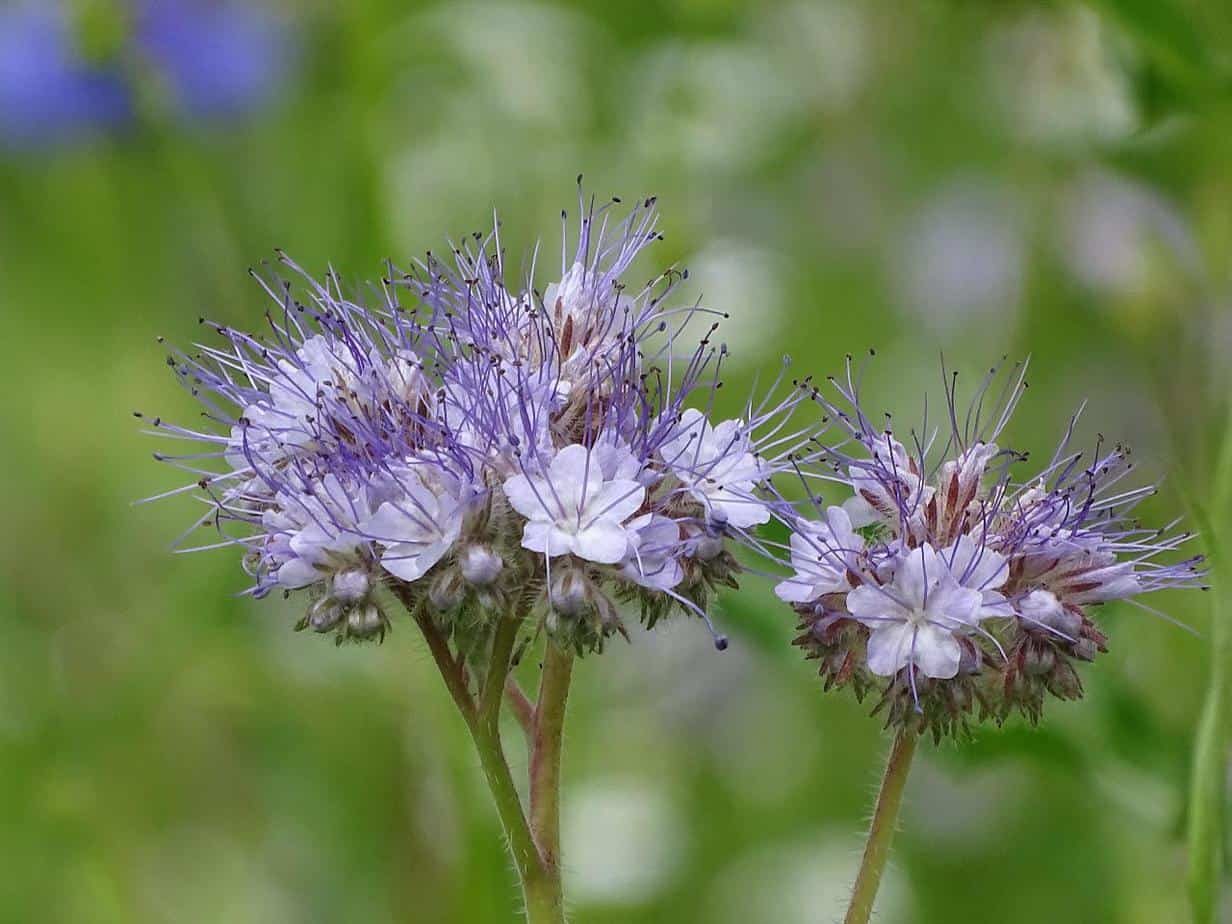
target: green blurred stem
1207 808
881 831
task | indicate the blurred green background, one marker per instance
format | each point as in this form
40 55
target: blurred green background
978 179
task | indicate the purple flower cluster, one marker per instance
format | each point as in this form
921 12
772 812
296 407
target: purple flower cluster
479 448
945 582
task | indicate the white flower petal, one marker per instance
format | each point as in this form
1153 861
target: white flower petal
615 501
951 605
797 590
874 607
527 497
975 565
888 648
916 573
604 542
737 509
936 651
298 573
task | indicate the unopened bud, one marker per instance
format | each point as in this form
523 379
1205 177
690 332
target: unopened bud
609 616
1064 681
365 621
480 565
1038 660
707 547
1085 649
324 615
1042 608
447 590
350 586
569 592
970 660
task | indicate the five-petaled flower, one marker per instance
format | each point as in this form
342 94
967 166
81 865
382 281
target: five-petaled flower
716 465
572 509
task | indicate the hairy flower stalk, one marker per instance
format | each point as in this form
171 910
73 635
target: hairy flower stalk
951 588
516 469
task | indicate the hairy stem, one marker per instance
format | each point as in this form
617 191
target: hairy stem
536 877
540 880
545 758
522 708
498 674
881 831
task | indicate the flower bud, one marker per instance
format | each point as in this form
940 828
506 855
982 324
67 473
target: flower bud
1064 681
1085 649
970 659
1038 660
350 586
325 614
706 547
1042 608
365 621
609 616
479 564
569 592
447 590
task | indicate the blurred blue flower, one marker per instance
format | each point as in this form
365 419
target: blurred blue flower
211 59
216 58
48 93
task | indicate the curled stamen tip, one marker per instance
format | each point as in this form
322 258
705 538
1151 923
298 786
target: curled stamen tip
720 642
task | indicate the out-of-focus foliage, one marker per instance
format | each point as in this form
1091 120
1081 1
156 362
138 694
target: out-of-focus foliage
973 179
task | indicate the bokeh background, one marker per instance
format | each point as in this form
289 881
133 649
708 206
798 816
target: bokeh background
977 179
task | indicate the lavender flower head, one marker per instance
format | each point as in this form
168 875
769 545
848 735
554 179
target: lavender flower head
478 448
946 584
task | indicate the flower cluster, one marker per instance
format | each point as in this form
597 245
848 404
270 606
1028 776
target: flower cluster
479 448
947 585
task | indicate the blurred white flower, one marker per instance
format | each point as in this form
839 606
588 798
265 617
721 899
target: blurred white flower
1115 234
802 882
623 840
518 73
961 258
825 46
745 282
766 763
524 58
1058 81
711 105
966 809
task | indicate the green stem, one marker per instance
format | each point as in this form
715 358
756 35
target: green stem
540 880
881 831
1207 809
545 762
534 874
1207 804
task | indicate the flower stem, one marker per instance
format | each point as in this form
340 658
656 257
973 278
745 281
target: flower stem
540 879
881 831
1207 800
1207 809
532 871
545 759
